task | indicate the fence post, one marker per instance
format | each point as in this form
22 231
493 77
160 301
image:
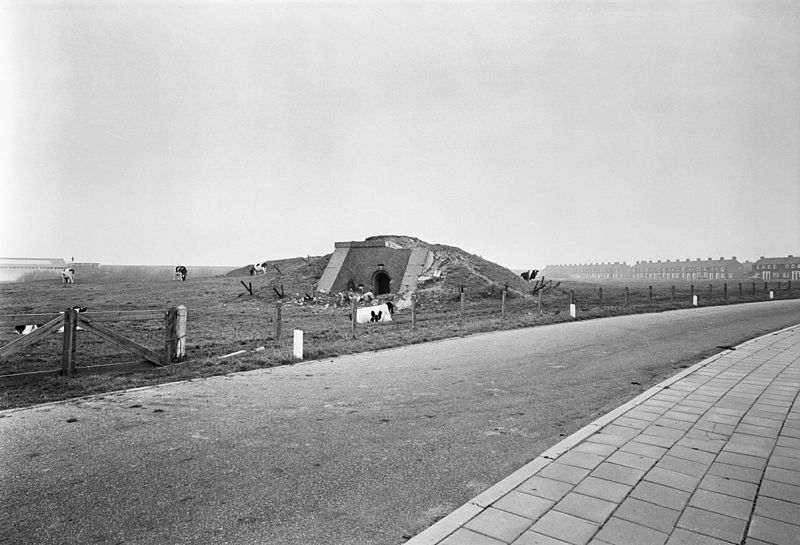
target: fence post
627 294
175 334
766 287
353 311
600 293
503 306
68 349
540 302
710 290
278 320
754 288
740 290
463 307
672 295
725 291
691 293
650 294
413 312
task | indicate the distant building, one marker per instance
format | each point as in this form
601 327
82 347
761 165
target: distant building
708 269
589 271
777 268
14 269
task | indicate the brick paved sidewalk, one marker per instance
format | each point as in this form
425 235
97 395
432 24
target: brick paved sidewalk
708 457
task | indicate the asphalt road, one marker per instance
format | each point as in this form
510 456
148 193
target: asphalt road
364 449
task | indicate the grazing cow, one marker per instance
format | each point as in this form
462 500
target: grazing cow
528 276
377 313
30 328
181 272
258 268
68 276
390 306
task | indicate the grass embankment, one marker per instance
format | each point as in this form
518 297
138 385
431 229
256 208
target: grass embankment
224 318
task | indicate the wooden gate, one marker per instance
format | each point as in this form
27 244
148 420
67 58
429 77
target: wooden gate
174 338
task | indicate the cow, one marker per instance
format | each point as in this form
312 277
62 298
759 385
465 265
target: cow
30 328
68 275
258 268
181 272
528 276
377 313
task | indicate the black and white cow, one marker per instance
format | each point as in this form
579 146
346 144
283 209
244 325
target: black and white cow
528 276
30 328
258 268
181 272
68 276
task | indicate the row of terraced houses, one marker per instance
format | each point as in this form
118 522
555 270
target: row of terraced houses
766 268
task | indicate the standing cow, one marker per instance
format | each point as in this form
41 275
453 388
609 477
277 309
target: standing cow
529 275
258 268
181 272
68 276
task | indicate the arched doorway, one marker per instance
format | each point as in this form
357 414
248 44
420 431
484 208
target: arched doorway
381 283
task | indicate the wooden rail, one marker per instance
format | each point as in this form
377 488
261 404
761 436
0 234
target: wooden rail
174 343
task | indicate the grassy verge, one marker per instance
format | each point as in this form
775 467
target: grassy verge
223 319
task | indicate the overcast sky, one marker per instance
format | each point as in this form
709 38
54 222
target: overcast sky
222 133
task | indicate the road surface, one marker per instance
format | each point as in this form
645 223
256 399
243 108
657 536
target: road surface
362 449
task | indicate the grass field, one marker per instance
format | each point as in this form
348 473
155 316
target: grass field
224 318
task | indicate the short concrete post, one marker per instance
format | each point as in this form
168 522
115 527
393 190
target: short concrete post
573 311
694 300
297 351
771 294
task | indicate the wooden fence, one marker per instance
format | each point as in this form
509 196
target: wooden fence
174 339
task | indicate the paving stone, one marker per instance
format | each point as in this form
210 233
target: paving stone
603 489
629 459
679 465
680 414
663 431
586 507
787 452
742 460
545 488
687 537
640 414
595 448
785 462
652 451
524 505
692 454
608 439
781 491
498 524
622 532
648 514
785 476
463 536
534 538
672 423
565 527
618 473
656 440
621 431
673 479
722 504
736 472
774 531
581 459
713 524
778 509
659 494
561 472
630 422
757 430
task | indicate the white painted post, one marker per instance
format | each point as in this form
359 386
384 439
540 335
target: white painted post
694 300
298 344
573 312
771 294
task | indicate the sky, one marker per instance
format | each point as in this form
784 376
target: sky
529 133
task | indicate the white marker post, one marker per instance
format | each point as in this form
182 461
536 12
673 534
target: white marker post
771 294
694 300
298 344
573 311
